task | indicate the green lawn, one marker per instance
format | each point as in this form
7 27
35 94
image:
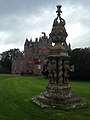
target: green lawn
16 94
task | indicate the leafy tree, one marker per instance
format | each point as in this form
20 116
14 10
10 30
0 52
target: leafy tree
6 60
80 58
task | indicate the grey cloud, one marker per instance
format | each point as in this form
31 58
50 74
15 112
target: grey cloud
19 18
85 3
23 6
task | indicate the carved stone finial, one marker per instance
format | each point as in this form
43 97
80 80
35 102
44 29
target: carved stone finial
58 33
59 10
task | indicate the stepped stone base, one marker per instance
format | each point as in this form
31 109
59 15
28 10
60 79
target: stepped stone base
61 99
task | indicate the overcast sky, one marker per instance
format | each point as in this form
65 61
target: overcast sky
21 19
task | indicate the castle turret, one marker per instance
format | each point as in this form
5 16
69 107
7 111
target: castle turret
26 43
28 55
17 63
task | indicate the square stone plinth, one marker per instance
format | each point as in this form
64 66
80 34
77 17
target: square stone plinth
53 99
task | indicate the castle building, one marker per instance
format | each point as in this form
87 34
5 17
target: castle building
33 58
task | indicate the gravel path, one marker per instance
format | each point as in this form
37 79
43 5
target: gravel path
10 75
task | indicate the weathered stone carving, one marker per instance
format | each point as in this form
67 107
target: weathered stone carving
58 91
58 33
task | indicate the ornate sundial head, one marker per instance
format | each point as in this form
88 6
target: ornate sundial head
58 33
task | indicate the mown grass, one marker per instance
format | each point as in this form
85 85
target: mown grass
16 94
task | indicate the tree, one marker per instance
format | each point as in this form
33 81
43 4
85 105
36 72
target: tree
6 60
80 58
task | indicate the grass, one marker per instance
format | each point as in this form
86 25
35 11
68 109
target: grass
16 94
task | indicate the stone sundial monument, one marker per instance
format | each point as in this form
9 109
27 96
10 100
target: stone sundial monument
58 91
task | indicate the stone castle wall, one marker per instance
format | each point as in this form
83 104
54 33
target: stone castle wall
33 57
